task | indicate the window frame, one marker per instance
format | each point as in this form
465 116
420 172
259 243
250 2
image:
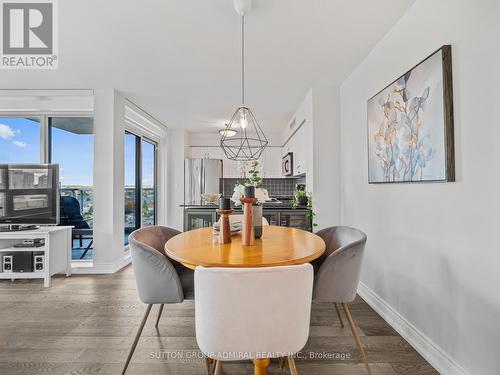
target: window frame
44 126
48 159
43 130
155 176
139 138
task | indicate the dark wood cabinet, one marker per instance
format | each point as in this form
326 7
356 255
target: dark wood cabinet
199 218
195 217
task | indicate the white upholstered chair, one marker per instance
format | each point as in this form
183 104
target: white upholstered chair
243 312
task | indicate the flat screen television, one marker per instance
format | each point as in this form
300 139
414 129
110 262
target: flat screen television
29 194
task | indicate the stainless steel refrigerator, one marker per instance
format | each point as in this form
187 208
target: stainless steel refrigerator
201 176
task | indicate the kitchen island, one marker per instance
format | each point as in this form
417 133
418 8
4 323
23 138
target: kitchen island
279 213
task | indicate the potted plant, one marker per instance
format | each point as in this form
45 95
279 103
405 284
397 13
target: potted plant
302 198
250 172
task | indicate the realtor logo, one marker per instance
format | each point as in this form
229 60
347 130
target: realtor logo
29 34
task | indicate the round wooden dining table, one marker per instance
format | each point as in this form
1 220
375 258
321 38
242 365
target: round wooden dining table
279 246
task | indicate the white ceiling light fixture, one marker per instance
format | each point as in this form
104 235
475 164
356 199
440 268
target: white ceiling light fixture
252 140
227 132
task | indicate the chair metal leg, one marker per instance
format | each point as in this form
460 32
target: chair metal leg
291 364
209 363
159 315
136 340
338 315
356 337
218 367
282 362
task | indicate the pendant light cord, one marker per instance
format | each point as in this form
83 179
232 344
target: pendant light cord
243 59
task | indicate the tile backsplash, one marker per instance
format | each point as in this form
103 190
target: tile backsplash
277 187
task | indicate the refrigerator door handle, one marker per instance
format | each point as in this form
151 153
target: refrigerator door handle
202 179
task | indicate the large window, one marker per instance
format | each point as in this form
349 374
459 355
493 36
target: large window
140 183
19 140
71 142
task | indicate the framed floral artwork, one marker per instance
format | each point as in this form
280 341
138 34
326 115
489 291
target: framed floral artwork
410 125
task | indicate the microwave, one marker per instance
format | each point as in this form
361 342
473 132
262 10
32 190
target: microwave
287 165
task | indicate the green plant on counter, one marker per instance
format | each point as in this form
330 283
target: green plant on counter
299 195
312 214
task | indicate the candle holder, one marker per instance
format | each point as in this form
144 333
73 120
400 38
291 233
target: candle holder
248 236
225 227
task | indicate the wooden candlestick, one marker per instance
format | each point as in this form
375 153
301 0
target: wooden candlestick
248 236
225 227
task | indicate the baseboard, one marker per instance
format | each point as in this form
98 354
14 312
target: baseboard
103 267
432 353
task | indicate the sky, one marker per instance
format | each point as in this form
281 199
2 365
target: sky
20 143
19 140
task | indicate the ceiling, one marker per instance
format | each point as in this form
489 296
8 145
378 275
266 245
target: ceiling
180 60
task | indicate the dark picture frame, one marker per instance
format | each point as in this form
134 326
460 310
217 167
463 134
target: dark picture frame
401 169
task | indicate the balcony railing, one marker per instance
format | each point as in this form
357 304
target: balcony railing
85 196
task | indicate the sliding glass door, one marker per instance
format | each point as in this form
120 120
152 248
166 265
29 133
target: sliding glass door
71 145
69 142
140 183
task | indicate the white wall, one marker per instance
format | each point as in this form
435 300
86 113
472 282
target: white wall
325 153
432 254
178 142
109 128
320 109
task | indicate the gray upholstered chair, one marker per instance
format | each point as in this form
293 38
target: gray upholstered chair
159 280
337 273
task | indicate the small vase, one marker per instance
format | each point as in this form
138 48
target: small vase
257 220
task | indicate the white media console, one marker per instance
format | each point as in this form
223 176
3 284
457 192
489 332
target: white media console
56 252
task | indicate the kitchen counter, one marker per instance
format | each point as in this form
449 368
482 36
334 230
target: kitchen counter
277 213
274 206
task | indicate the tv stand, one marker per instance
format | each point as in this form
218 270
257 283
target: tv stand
56 252
17 227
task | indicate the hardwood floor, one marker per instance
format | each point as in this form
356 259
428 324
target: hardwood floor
86 324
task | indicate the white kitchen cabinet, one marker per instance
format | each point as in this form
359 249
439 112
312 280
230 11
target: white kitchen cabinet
288 147
271 159
300 151
298 146
298 137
